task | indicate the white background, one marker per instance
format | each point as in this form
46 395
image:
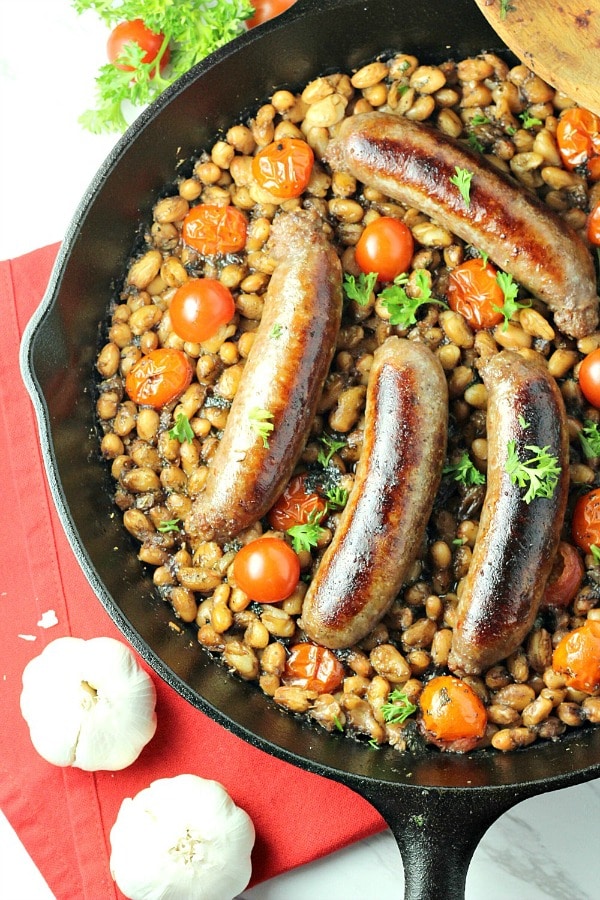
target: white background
48 60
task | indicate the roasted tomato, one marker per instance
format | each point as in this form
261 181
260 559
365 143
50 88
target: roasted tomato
589 377
577 657
267 569
211 229
578 137
199 308
453 717
295 505
314 668
159 377
474 292
386 246
593 224
283 168
565 578
135 32
585 527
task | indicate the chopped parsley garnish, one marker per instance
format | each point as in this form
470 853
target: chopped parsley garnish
539 473
337 497
276 330
168 525
462 180
360 289
595 551
589 437
400 306
306 536
330 447
465 471
523 422
260 422
398 707
528 120
182 430
510 291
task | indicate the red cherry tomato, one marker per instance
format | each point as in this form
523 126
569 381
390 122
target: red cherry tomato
585 526
453 716
593 224
267 9
474 292
267 570
283 168
295 505
589 377
199 307
386 246
577 657
565 577
314 668
211 229
578 136
159 377
135 32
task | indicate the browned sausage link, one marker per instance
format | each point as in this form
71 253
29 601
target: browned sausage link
414 162
382 527
283 378
516 542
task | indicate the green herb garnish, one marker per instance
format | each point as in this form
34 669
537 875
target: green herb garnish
595 551
276 330
398 707
539 473
260 422
589 437
400 306
462 180
360 289
168 525
523 422
337 497
182 430
506 7
510 305
306 536
465 471
528 120
330 447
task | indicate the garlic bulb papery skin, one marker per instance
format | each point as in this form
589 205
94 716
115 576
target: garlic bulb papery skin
88 704
181 838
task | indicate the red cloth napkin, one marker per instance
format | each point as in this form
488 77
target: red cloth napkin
63 816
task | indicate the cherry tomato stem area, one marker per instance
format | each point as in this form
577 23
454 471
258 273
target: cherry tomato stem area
267 569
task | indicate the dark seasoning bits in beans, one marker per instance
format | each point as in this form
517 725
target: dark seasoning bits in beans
370 691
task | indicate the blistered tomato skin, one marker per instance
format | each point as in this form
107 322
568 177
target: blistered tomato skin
295 505
159 377
314 668
283 168
577 657
453 717
585 526
212 229
474 293
199 308
267 570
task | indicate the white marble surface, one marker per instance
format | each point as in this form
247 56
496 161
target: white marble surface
544 849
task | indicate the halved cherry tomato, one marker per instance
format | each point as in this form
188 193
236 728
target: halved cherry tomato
589 377
585 527
565 578
453 716
386 246
314 668
211 229
135 32
199 307
267 569
593 224
283 168
577 657
159 377
295 505
474 292
578 136
267 9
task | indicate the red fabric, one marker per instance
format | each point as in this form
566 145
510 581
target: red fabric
63 816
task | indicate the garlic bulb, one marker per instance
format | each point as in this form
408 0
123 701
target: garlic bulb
88 704
181 838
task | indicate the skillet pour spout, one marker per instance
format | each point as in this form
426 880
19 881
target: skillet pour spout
438 805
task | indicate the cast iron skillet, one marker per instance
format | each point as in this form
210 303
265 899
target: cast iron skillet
437 805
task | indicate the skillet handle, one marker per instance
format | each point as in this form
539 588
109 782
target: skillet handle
437 832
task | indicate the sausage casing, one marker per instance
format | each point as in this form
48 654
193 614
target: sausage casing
414 163
517 541
382 527
283 378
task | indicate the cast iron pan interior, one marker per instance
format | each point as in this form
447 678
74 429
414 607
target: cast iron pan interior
438 805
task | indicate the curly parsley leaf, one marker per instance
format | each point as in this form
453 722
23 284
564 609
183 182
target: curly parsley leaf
510 305
168 525
336 497
192 28
539 473
462 180
589 437
182 430
260 421
595 551
465 471
401 307
360 289
329 448
306 536
528 120
398 707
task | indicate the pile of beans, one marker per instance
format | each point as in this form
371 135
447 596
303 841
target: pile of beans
157 477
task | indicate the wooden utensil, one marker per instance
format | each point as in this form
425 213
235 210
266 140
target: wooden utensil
559 41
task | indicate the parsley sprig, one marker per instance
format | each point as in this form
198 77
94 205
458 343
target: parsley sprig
193 29
465 471
306 536
398 707
260 421
462 180
511 304
182 430
589 437
330 446
538 473
401 307
360 289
